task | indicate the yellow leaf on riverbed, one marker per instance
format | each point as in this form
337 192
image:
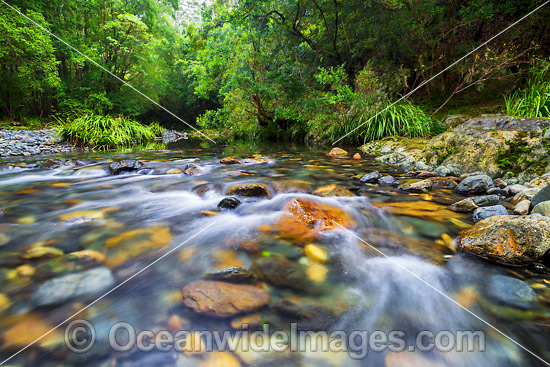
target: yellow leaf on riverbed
88 214
420 209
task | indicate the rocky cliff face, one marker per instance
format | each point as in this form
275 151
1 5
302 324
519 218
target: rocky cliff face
497 145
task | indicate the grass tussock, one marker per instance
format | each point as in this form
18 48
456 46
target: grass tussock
107 132
534 99
401 119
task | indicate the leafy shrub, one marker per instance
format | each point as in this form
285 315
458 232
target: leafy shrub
107 132
349 111
534 99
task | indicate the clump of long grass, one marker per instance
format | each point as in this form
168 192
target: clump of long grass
402 119
534 99
107 132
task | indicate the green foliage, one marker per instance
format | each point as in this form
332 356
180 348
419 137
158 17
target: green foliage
106 132
534 99
28 68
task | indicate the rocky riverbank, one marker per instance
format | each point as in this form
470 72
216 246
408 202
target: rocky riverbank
27 143
31 142
500 146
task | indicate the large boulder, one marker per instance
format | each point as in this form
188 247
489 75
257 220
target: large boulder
508 239
542 208
221 299
492 144
541 196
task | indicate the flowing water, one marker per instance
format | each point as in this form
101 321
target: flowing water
135 218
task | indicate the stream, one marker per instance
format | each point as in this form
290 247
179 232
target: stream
358 274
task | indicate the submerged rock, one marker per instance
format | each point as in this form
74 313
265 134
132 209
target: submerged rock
512 292
472 185
221 299
308 315
304 220
70 263
508 239
235 274
124 166
81 285
489 211
291 186
229 203
333 190
281 272
249 190
338 152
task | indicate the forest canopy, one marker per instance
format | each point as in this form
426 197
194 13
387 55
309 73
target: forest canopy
285 69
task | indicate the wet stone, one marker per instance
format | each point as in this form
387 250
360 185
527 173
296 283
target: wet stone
489 211
387 181
372 177
541 196
512 292
471 185
124 166
284 273
338 152
81 285
249 190
236 274
221 299
542 208
229 203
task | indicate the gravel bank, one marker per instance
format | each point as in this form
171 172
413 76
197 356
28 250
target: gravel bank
31 142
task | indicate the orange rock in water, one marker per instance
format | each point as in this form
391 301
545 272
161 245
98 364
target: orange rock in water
27 330
410 359
338 152
248 321
228 160
225 259
357 156
220 359
177 323
305 219
220 299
